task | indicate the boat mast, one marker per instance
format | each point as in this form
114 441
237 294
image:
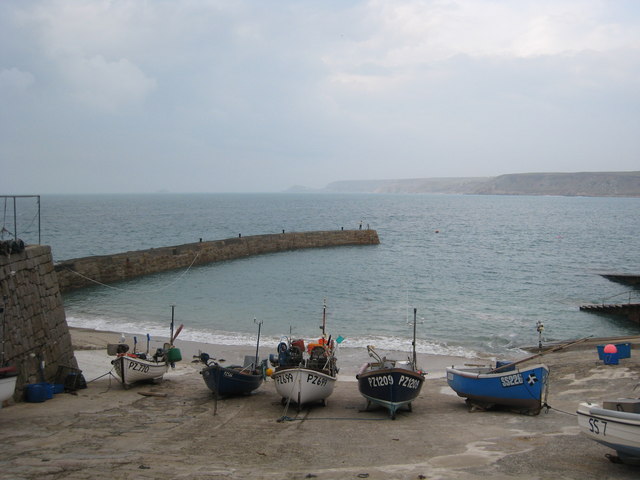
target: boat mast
173 307
255 366
324 318
415 361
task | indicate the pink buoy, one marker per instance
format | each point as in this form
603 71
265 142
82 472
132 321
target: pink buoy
610 348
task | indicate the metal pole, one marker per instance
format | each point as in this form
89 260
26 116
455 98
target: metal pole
255 365
39 239
15 221
172 309
415 360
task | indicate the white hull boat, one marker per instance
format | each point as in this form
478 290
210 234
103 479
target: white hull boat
132 369
303 385
613 427
7 385
306 374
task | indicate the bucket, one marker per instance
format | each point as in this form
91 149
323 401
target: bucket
174 355
36 392
58 388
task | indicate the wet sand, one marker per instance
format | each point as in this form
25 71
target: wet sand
107 432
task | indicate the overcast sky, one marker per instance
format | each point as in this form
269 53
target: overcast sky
257 96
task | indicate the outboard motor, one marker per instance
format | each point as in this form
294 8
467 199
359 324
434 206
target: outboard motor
159 355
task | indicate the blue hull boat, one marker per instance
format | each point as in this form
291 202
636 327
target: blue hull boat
389 385
230 381
521 389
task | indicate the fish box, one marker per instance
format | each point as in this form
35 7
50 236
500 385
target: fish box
630 405
624 350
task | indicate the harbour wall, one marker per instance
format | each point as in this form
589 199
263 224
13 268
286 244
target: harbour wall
105 269
33 323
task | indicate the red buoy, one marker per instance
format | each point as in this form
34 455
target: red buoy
610 348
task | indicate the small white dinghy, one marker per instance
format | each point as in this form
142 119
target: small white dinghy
615 424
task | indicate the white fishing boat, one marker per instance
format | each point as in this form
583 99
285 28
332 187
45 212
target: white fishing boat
8 377
615 424
140 367
303 385
132 369
305 375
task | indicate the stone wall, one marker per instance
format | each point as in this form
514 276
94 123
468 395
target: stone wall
83 272
33 325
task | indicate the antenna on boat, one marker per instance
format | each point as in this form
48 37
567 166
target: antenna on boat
324 318
255 366
173 307
415 321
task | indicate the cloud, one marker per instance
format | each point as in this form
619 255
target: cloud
106 85
250 95
13 79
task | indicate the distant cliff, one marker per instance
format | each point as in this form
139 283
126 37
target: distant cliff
588 184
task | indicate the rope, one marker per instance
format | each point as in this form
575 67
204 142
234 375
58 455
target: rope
289 419
135 290
26 230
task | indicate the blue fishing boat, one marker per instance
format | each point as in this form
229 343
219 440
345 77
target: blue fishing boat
231 380
506 385
390 383
234 379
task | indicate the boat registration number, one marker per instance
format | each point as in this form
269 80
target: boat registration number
597 426
512 380
408 382
380 381
284 378
316 380
139 367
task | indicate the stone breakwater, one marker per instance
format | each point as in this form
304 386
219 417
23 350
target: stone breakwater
34 326
84 272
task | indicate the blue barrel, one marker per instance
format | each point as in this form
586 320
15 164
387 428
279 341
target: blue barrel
36 393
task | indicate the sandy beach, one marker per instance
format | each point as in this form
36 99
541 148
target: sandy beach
107 432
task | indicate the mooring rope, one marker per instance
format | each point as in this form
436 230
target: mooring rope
133 289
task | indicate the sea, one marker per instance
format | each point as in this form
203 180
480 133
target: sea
486 275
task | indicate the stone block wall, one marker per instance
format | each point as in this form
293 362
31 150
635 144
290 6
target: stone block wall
83 272
33 325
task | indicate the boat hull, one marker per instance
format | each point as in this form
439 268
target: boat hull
132 370
617 430
521 389
8 377
303 385
223 381
391 388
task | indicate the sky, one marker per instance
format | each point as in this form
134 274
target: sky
135 96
